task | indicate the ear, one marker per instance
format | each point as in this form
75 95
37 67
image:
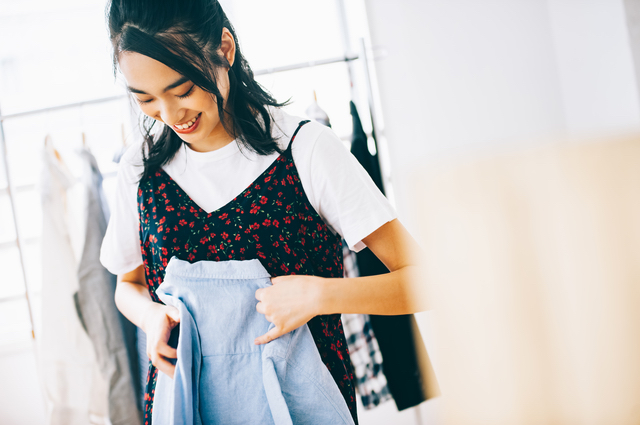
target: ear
228 45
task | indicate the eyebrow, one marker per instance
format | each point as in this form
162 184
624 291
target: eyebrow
178 83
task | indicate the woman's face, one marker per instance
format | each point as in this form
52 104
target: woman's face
169 97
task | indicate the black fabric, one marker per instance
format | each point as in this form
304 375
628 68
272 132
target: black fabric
406 364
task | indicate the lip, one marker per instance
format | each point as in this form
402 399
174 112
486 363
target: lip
190 129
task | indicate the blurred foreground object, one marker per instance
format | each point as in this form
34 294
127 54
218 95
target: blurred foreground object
533 263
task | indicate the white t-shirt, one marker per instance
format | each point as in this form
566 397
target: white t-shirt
337 186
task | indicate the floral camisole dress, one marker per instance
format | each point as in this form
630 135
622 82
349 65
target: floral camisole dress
271 220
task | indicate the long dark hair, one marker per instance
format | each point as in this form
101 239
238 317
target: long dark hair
185 36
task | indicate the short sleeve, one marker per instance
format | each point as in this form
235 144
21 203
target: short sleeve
120 251
342 192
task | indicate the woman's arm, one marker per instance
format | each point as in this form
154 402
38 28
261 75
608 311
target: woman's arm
156 320
294 300
397 292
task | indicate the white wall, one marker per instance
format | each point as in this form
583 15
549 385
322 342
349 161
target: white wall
462 76
592 50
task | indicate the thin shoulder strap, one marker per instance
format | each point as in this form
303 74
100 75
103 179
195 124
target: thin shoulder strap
296 132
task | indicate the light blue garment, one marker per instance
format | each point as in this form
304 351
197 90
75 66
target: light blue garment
221 376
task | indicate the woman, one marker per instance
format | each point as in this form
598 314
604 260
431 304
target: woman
221 179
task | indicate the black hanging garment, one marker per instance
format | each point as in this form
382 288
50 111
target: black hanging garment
407 367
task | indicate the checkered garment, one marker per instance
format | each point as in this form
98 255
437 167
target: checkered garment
366 358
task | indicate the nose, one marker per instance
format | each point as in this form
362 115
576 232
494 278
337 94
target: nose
170 113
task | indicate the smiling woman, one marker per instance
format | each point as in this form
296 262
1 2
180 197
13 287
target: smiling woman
187 193
181 65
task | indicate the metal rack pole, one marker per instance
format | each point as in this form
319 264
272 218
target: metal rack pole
3 146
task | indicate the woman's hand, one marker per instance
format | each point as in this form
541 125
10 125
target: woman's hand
158 322
289 303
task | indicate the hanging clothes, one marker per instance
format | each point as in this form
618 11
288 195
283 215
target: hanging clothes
113 336
172 224
364 351
75 392
316 113
219 368
407 367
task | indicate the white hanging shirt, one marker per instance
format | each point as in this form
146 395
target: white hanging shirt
337 186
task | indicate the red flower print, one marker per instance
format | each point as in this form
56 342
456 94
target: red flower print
242 250
289 179
160 229
266 179
302 241
276 223
162 186
153 239
303 230
256 237
276 244
182 222
284 268
280 194
224 235
287 219
191 257
164 251
238 237
254 226
175 228
205 228
254 208
169 208
263 200
223 216
213 249
191 224
261 255
162 220
204 240
266 222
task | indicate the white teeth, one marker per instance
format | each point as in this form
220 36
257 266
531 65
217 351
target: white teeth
188 124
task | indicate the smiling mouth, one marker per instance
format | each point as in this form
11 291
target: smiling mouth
189 126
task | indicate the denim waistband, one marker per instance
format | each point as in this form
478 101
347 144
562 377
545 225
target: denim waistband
230 269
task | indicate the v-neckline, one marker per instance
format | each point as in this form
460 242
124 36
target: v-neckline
232 201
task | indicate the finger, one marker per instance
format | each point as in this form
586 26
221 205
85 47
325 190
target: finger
174 315
269 336
259 294
167 351
260 308
165 366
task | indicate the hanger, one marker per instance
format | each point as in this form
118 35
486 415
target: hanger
49 143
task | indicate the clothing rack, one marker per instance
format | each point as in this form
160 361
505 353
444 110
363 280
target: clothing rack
267 71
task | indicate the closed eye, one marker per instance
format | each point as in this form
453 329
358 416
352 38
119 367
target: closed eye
188 93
